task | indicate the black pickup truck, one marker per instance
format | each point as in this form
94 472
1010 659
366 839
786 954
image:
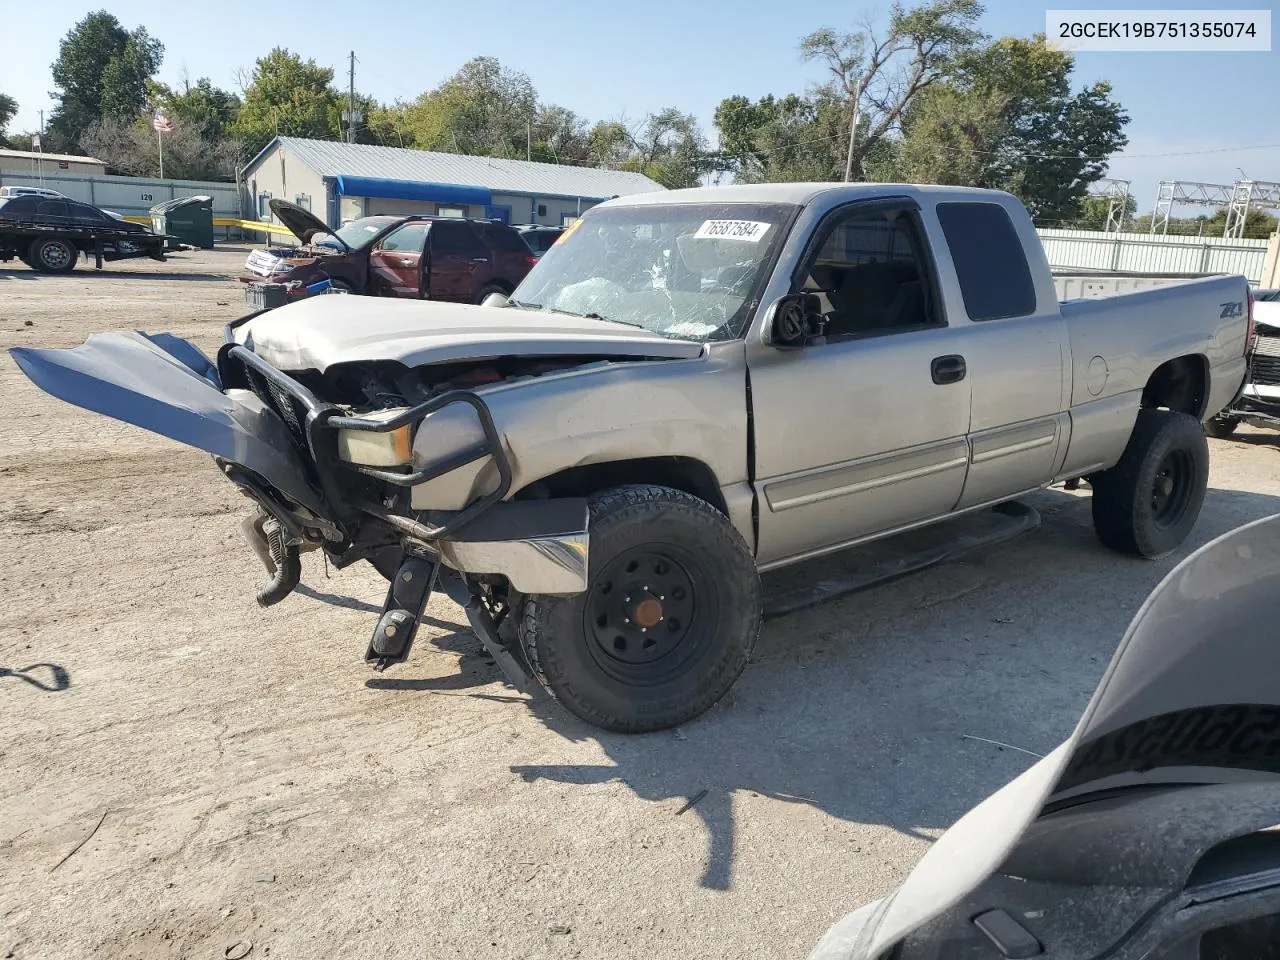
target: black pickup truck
49 234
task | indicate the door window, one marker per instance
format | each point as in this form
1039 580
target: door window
408 239
456 237
870 276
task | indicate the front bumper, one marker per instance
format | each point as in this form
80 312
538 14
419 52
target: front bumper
278 442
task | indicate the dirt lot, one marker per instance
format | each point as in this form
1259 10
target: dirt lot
252 783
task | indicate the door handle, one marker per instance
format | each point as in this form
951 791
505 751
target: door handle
406 263
479 259
948 369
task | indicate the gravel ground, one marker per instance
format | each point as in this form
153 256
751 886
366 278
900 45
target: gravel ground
243 780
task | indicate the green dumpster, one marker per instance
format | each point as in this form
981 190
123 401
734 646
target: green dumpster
190 219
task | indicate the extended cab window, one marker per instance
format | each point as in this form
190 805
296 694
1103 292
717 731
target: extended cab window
870 275
410 238
991 266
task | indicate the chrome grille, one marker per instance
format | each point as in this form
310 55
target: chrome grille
1266 361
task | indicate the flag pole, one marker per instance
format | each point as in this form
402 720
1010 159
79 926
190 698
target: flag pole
160 147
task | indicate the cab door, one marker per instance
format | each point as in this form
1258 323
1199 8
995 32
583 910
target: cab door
459 261
866 431
396 263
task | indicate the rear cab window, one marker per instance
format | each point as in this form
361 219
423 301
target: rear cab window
991 265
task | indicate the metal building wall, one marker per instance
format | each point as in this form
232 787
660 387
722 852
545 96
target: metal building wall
1143 253
131 196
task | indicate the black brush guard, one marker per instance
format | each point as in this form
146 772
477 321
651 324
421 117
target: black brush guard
314 424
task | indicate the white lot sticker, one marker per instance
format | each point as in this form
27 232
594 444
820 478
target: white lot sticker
751 231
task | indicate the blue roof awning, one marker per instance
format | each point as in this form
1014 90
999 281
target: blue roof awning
412 190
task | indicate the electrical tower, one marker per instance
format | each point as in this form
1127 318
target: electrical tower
1238 198
1116 193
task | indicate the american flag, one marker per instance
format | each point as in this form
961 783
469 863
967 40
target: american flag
161 124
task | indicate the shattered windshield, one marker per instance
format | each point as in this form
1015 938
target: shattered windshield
687 271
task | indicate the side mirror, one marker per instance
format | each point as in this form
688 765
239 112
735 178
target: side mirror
494 299
797 321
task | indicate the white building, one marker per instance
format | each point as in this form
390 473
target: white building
343 181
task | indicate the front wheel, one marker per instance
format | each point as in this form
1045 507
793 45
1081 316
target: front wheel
669 617
1148 502
53 255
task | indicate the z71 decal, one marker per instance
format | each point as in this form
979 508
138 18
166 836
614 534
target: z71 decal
1231 310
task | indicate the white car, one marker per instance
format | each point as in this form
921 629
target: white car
6 192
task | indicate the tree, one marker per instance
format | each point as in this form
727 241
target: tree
484 110
1008 120
8 109
102 70
190 153
286 95
201 105
878 75
772 140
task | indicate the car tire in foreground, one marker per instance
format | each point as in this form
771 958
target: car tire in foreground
1148 502
669 617
53 255
1221 427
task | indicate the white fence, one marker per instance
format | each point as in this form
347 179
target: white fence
130 196
1090 250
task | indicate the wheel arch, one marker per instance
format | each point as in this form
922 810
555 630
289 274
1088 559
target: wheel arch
1180 384
687 474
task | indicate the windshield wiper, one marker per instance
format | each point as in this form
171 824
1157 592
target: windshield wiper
523 306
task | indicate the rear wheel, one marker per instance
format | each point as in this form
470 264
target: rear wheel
53 255
1148 502
1221 427
489 289
668 620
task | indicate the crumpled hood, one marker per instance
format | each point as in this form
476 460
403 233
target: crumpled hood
320 332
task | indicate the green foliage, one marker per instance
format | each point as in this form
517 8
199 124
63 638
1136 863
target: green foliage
8 109
882 73
289 96
1007 119
200 105
787 139
102 71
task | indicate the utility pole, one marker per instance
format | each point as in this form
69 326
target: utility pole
350 115
853 132
528 141
40 144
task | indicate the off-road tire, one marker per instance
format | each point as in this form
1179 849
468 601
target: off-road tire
1132 513
53 255
648 538
1221 427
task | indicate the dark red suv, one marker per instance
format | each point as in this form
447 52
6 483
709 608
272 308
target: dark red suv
429 258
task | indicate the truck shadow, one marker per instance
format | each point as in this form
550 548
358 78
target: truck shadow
877 708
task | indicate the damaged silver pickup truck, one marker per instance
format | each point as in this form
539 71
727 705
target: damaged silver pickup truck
688 389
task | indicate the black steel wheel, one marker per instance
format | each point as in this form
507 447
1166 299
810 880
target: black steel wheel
53 255
1148 502
668 619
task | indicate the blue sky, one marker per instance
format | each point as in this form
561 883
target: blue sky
607 60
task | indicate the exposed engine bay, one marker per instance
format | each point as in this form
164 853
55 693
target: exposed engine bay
380 385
